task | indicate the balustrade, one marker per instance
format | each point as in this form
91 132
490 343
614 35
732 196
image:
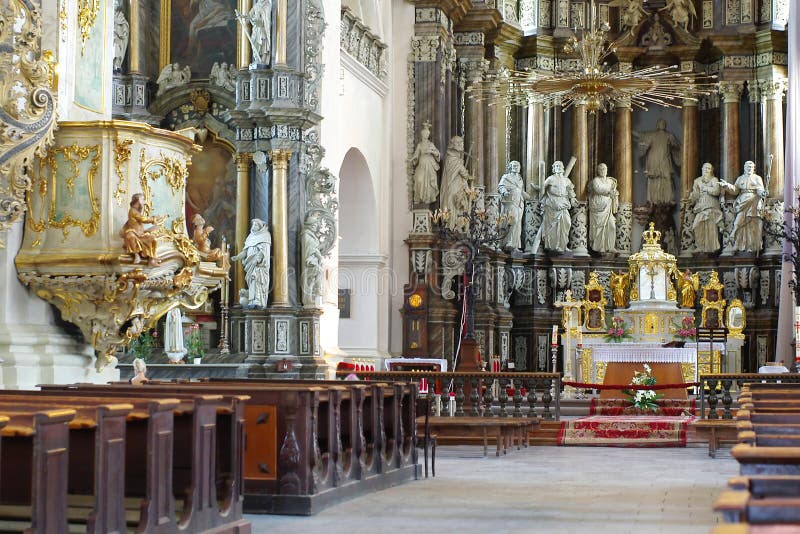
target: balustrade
712 386
486 394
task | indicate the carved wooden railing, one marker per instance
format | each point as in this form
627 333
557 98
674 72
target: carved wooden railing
716 387
486 394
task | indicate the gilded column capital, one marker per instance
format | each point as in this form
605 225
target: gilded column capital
244 159
280 158
623 103
731 91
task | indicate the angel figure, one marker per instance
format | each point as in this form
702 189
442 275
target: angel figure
138 241
688 285
630 12
620 282
680 11
201 239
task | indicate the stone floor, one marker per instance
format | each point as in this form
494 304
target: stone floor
540 490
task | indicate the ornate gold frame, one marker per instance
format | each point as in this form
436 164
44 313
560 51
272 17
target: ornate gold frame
588 306
713 284
736 332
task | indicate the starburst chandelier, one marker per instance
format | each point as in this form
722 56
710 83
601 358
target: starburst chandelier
593 83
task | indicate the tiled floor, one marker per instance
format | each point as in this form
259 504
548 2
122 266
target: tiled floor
540 490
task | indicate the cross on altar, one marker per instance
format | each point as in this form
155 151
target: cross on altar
570 320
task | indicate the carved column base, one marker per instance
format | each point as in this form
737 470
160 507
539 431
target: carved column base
579 233
624 228
773 224
687 236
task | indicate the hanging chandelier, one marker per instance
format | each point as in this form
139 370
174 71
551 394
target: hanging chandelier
593 83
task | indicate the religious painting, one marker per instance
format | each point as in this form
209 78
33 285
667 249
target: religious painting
211 189
89 62
201 33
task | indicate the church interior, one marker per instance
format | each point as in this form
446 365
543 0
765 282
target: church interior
260 259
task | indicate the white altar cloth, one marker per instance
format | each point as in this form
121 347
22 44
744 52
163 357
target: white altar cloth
640 352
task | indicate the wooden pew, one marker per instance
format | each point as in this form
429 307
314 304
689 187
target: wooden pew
176 439
305 458
34 463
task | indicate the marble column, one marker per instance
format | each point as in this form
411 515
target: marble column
243 162
731 92
772 92
243 48
134 52
280 227
490 148
474 119
580 149
689 170
280 33
623 172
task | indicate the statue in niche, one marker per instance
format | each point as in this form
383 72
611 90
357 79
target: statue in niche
630 12
747 224
662 149
260 19
512 197
173 76
620 283
455 179
201 239
680 11
558 197
255 260
688 285
425 161
312 263
122 31
603 206
139 241
708 218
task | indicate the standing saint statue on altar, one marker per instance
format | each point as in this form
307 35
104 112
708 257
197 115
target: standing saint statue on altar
662 150
425 161
708 218
603 206
688 285
512 201
620 283
748 224
255 260
455 179
558 198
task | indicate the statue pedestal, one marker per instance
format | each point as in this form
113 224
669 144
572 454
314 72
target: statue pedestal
470 358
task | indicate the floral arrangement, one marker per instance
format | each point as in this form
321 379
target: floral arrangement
643 399
687 329
142 346
619 331
193 341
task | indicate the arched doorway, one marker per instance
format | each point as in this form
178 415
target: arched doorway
361 266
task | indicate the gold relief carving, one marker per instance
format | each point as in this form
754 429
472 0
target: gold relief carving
713 304
600 372
174 170
586 366
122 153
651 323
687 371
87 14
52 76
183 279
200 99
27 106
62 15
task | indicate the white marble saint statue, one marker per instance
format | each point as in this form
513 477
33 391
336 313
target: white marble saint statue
558 197
747 224
708 219
425 161
512 202
680 11
173 334
630 12
662 149
312 264
603 206
260 33
255 257
455 179
122 32
172 75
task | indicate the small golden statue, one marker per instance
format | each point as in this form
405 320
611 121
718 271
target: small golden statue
620 282
138 241
688 284
201 239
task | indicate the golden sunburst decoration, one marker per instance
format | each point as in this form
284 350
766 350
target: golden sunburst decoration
595 83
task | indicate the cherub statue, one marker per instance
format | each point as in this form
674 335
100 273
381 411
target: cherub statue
688 285
680 11
620 282
201 239
138 241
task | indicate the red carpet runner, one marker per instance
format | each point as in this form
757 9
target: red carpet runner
673 407
625 431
